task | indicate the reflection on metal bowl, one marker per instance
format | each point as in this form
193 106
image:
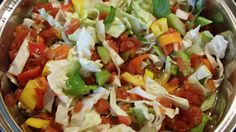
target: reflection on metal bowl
223 112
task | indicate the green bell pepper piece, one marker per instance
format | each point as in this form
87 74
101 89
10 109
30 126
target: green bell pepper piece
104 54
202 21
176 23
159 53
102 77
186 62
77 87
201 126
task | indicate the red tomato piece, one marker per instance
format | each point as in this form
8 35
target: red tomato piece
102 106
136 63
121 93
39 98
78 106
103 15
168 49
73 26
48 7
24 77
124 120
35 48
196 60
110 66
126 45
113 45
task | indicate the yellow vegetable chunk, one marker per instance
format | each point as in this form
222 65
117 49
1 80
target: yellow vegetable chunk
135 80
169 39
37 123
79 6
148 74
28 96
159 27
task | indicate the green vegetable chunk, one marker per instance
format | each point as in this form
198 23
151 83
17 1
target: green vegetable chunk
186 66
109 19
138 114
201 126
202 21
77 87
104 54
159 53
161 8
102 77
176 23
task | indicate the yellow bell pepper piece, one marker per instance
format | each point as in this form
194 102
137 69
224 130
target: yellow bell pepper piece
79 6
28 96
37 123
45 71
159 27
169 38
148 74
137 81
169 88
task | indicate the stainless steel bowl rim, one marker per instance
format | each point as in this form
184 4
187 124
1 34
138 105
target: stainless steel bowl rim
8 124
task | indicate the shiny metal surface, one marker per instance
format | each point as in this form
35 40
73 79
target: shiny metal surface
224 110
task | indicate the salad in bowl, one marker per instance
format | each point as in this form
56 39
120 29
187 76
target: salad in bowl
116 66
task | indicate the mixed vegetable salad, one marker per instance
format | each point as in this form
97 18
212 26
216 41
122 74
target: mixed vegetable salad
115 66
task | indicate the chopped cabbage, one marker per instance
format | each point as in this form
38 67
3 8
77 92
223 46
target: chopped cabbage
20 60
77 119
115 109
57 78
217 46
90 66
156 89
121 128
116 28
139 91
62 116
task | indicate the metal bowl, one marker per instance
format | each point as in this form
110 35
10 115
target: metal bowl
223 113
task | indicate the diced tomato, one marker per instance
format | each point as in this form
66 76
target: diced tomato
102 106
58 53
126 45
95 56
191 93
49 35
111 78
185 120
19 36
110 66
174 8
36 48
24 77
109 120
126 107
66 7
50 129
168 49
10 99
121 93
174 81
196 60
113 45
136 63
78 106
42 82
103 15
211 85
124 120
73 26
39 98
90 80
207 63
165 102
134 97
48 7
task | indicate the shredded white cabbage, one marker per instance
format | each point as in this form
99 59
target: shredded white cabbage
85 43
139 91
78 118
49 97
57 78
62 116
91 66
217 46
156 89
20 60
116 28
115 109
121 128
